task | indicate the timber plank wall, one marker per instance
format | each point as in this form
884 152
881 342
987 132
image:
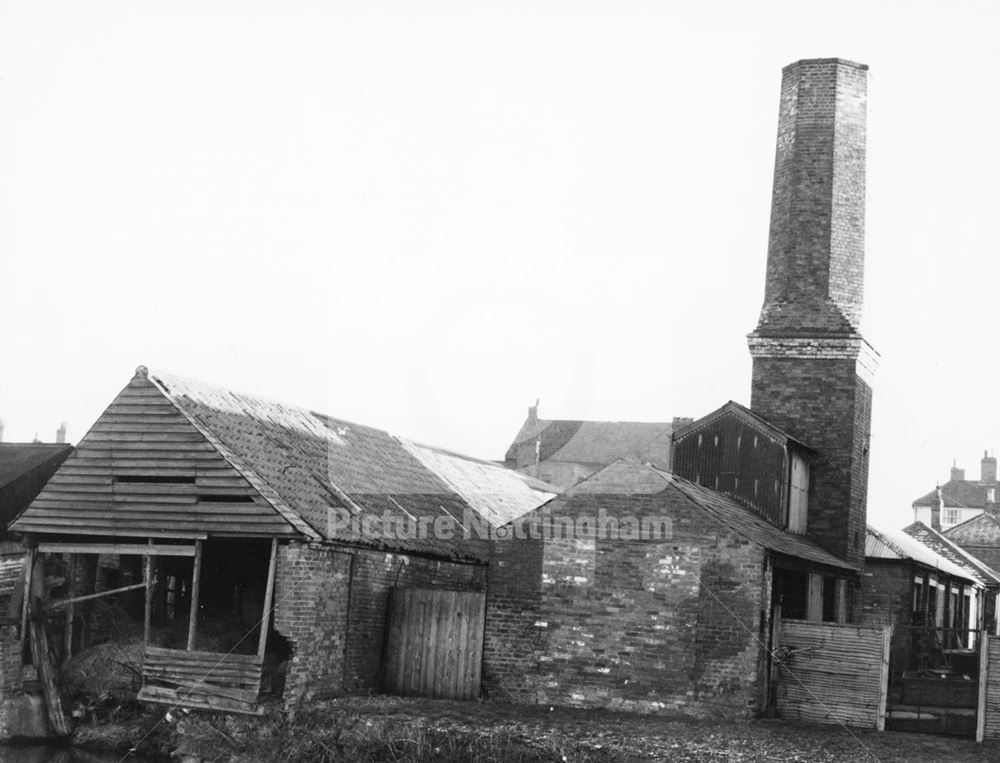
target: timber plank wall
840 678
144 470
992 726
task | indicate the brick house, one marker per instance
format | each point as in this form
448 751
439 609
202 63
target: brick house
958 499
767 505
232 507
562 452
647 592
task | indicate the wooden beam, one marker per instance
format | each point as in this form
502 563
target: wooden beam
265 620
147 621
64 602
814 602
984 672
130 549
71 613
883 686
195 591
29 560
54 700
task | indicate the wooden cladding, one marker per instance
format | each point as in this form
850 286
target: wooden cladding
735 458
435 643
833 674
207 680
144 470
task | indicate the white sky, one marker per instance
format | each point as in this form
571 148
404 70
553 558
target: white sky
422 216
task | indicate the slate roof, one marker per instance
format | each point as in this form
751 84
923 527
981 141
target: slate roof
310 461
24 470
16 459
628 476
980 530
954 553
897 545
966 494
595 442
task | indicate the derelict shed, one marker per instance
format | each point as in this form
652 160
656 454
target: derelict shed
206 514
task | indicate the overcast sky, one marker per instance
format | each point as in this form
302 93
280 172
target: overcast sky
423 216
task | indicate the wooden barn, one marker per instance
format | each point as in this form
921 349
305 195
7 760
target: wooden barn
254 546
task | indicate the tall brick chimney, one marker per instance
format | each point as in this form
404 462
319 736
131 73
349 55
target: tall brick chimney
812 368
957 475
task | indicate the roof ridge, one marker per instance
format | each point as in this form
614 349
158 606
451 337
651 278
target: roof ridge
259 484
977 563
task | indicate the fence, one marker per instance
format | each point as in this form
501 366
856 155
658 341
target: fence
435 643
831 673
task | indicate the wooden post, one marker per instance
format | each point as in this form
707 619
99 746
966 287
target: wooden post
148 611
29 559
883 687
70 610
195 584
265 620
47 674
814 601
841 600
984 674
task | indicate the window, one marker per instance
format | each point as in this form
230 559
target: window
798 495
829 599
951 516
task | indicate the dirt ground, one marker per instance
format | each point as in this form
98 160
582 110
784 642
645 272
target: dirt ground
399 729
599 735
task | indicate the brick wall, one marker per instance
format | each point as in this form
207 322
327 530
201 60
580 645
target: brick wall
312 586
886 598
331 604
374 575
10 661
643 626
824 403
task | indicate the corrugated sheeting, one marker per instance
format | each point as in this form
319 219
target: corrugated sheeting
896 544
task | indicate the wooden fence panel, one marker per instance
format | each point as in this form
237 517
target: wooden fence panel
434 646
833 673
991 708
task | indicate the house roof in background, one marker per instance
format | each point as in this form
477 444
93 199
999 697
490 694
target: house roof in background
950 550
305 462
595 442
982 529
966 494
897 545
19 458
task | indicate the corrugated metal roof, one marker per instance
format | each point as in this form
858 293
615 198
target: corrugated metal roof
896 544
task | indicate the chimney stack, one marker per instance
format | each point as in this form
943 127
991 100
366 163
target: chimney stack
936 510
988 470
957 475
533 413
812 369
61 432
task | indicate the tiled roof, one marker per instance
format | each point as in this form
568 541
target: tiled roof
304 462
595 442
953 552
16 459
970 494
980 530
896 544
628 476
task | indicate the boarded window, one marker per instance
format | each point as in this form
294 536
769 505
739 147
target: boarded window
798 495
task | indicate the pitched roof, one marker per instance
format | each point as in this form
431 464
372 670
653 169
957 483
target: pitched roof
595 442
982 529
304 463
896 544
953 552
16 459
732 408
966 494
628 476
